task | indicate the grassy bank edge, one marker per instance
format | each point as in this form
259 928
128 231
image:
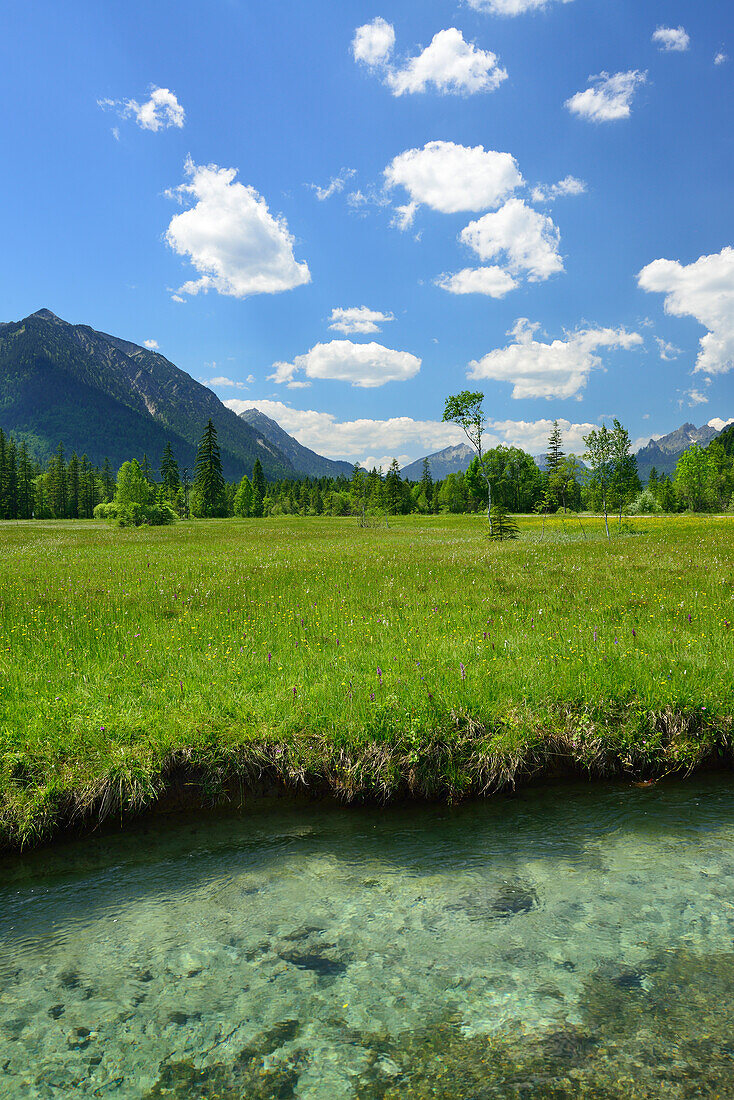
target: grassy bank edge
461 758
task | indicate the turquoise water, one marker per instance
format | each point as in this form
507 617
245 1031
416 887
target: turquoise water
572 941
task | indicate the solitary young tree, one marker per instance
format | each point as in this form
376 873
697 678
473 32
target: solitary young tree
465 409
209 488
625 481
504 526
599 455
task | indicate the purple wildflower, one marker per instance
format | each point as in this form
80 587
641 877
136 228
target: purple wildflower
270 657
463 671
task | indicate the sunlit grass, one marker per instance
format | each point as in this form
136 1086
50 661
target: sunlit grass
311 647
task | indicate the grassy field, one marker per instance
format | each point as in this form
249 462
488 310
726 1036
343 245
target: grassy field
419 659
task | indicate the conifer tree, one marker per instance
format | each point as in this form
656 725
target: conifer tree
146 470
426 480
503 526
73 487
393 492
170 478
258 490
555 455
57 488
108 481
26 503
209 487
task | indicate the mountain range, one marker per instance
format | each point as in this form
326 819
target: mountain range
109 398
301 458
106 397
662 453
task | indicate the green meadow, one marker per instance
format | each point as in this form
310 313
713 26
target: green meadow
218 657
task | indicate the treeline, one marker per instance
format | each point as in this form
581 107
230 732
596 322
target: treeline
74 488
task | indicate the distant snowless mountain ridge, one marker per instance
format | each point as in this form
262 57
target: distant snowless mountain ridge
662 453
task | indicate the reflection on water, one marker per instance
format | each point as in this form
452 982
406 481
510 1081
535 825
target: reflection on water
572 942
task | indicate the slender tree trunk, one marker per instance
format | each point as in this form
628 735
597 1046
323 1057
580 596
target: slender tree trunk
606 517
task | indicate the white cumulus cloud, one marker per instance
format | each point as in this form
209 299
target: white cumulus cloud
703 290
449 64
528 239
493 281
671 39
720 424
238 247
609 98
450 178
374 42
358 319
559 369
222 380
160 112
152 344
570 185
721 58
364 365
511 7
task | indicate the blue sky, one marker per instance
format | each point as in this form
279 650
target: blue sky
221 178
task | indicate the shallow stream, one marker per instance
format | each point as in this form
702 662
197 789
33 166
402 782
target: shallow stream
566 942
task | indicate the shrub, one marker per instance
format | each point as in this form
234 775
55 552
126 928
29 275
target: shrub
134 514
644 504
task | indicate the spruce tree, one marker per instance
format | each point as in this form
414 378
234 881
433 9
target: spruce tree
426 480
393 490
73 490
170 478
258 490
146 470
555 455
26 502
108 481
209 487
4 478
503 526
58 488
13 478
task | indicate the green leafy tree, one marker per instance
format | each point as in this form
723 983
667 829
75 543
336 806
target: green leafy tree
209 497
132 485
465 409
625 482
695 479
600 457
243 498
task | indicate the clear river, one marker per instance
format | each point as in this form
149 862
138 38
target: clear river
570 941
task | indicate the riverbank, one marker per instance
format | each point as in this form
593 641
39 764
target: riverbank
223 657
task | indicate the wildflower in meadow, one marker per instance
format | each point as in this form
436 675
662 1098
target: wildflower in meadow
379 675
270 657
463 671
